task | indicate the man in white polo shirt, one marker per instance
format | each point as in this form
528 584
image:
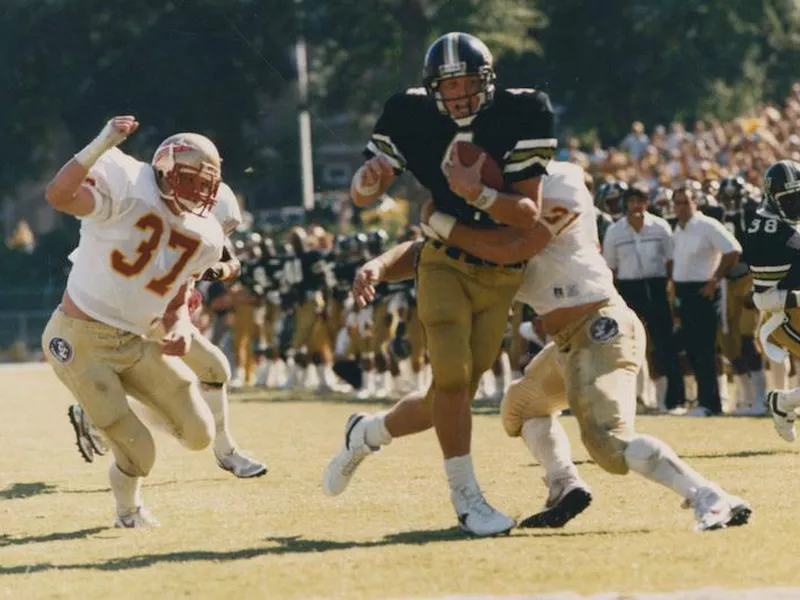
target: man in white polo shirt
639 248
704 253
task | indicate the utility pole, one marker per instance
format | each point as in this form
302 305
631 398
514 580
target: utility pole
303 115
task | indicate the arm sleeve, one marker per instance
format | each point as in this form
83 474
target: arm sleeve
535 138
109 182
722 239
387 136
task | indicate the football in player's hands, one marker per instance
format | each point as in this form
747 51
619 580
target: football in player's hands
491 173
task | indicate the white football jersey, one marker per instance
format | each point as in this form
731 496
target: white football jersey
134 253
226 209
571 269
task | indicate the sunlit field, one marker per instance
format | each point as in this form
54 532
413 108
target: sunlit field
392 534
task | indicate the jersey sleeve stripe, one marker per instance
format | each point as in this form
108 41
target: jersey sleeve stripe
538 143
765 282
778 269
515 167
398 162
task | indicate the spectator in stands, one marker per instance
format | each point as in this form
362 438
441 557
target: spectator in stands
704 253
636 141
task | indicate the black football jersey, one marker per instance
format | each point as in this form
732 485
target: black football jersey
604 221
316 272
516 130
739 222
773 251
344 273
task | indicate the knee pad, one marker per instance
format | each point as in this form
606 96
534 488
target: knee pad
606 450
208 362
644 453
132 445
196 432
511 416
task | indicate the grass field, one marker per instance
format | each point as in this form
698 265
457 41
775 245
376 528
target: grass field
392 534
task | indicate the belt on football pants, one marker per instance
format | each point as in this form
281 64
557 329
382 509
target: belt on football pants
470 259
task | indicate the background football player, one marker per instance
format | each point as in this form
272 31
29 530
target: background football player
773 251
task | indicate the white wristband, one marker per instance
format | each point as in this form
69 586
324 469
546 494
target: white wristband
442 224
487 197
362 190
105 140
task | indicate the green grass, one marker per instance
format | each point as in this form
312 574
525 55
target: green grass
392 534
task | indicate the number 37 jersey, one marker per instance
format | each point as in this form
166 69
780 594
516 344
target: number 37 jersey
134 252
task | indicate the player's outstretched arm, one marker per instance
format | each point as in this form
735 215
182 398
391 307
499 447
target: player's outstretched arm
371 180
66 192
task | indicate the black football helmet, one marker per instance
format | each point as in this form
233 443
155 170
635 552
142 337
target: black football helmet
661 200
377 242
458 55
610 198
782 189
732 194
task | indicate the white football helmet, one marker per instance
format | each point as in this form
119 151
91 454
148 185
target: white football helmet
188 171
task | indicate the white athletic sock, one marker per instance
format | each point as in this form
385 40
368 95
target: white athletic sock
790 399
547 440
460 472
217 400
376 433
658 462
127 490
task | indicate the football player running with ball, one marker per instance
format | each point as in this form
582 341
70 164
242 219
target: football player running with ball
463 300
590 366
144 235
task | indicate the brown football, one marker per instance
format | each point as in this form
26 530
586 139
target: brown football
491 173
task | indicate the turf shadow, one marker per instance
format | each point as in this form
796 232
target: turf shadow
280 546
10 540
27 490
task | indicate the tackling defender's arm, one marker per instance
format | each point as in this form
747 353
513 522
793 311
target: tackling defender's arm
502 246
396 264
69 192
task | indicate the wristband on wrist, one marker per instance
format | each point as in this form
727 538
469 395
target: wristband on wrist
486 198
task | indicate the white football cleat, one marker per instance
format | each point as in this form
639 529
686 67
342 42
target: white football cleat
568 496
139 519
716 509
240 465
475 515
781 419
341 467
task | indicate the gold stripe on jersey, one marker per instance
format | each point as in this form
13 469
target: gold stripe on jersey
767 277
383 144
